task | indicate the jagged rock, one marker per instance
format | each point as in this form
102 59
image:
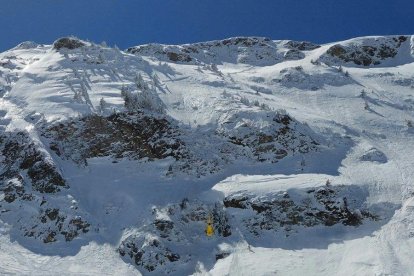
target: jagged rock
302 45
182 224
294 55
222 255
56 224
235 201
366 54
270 140
179 57
148 252
248 50
325 205
68 43
133 135
22 156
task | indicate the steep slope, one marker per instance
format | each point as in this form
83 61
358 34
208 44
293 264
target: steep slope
297 152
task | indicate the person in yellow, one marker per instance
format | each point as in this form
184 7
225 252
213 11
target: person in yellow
209 228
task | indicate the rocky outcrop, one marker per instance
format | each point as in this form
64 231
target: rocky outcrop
28 180
372 52
288 210
301 45
297 77
23 160
271 139
132 135
164 245
68 43
247 50
54 225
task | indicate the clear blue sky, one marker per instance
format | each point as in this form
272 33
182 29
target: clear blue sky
132 22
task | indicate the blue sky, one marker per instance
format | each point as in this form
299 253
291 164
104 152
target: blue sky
132 22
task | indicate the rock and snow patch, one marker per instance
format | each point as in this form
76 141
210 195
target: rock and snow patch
69 43
366 51
297 77
374 155
165 245
241 50
162 246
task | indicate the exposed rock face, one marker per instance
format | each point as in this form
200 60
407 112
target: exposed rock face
148 252
247 50
133 135
327 205
55 224
277 136
302 45
366 54
136 135
68 43
155 246
28 179
22 158
294 55
183 224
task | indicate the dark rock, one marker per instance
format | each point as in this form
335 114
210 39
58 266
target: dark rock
222 255
367 55
302 45
147 253
68 43
178 57
20 152
164 225
133 135
50 237
322 206
235 202
52 214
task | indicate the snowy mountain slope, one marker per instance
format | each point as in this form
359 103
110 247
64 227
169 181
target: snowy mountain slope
113 160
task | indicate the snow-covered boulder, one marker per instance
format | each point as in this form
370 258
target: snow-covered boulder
374 155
